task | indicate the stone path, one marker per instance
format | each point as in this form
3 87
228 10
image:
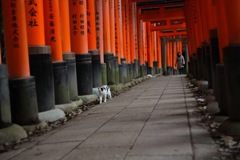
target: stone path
152 121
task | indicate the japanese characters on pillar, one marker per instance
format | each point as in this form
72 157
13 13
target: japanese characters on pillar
159 50
149 47
112 25
135 27
91 23
123 2
106 27
131 33
14 20
64 15
78 26
144 41
35 22
53 28
99 29
118 30
127 28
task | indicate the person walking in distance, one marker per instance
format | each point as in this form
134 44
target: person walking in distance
180 62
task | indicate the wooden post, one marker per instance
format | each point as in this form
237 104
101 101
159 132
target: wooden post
112 25
99 29
39 55
68 55
108 55
24 108
79 44
222 28
92 44
53 35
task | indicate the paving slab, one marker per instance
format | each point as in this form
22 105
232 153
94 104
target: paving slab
154 120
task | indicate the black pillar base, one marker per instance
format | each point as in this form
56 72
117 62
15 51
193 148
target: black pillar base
5 108
84 74
61 87
130 71
96 68
23 98
121 77
169 70
116 67
109 60
136 68
142 70
214 56
155 65
195 68
72 74
123 71
199 64
41 68
232 77
104 73
221 95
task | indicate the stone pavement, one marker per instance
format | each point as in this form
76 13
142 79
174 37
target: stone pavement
154 120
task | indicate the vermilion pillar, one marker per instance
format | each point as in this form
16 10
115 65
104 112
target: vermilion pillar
170 54
113 38
53 30
108 55
39 52
127 32
106 28
99 29
222 28
159 52
54 39
79 41
118 30
99 38
112 25
149 48
68 55
174 57
92 44
24 109
231 59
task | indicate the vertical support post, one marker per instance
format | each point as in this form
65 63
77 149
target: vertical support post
149 49
159 53
92 44
68 55
24 107
99 38
39 55
79 44
232 57
113 40
119 39
53 38
108 55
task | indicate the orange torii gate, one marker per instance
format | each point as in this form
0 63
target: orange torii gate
161 12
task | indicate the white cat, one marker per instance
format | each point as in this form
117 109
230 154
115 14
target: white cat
104 92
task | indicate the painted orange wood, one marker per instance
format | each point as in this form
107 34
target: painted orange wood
106 27
65 23
99 29
78 26
52 25
91 25
15 31
35 22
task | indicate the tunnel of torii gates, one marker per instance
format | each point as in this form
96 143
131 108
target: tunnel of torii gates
57 50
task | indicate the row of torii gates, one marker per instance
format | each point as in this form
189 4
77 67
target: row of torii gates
59 49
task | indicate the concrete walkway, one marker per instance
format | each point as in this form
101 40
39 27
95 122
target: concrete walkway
152 121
